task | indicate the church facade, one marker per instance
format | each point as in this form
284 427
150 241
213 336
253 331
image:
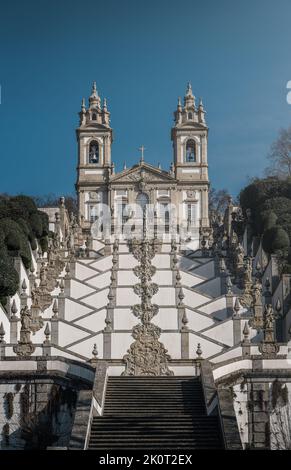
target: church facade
145 324
172 199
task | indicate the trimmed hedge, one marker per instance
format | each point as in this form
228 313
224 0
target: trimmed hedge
21 223
276 239
270 202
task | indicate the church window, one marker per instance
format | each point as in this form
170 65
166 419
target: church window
190 116
189 213
94 117
93 213
94 152
190 151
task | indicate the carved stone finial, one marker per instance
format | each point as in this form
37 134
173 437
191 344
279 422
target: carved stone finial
62 285
67 269
14 309
181 296
95 351
24 286
178 278
246 333
2 333
236 307
55 308
228 285
184 321
222 265
278 306
47 333
199 351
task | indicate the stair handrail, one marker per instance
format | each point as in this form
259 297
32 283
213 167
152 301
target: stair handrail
219 401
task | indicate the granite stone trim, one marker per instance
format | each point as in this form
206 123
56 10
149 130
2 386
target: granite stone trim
219 401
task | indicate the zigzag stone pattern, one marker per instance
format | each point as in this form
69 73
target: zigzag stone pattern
93 297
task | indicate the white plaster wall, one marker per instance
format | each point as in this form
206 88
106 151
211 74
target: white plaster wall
83 272
124 319
127 261
123 248
161 261
126 278
74 310
79 289
215 306
166 248
100 280
208 348
93 322
68 334
165 296
222 332
206 270
85 348
126 296
172 342
193 299
167 319
187 263
97 300
163 278
97 245
190 280
196 321
211 287
231 354
102 264
120 344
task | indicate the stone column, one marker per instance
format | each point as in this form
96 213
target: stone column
204 207
61 301
13 323
259 420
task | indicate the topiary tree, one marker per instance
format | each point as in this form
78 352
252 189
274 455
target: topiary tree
276 239
9 279
267 219
15 240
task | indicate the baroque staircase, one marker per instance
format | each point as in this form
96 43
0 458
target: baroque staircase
155 413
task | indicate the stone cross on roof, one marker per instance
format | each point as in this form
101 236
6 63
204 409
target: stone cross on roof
142 149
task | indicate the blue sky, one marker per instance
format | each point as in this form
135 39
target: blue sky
237 55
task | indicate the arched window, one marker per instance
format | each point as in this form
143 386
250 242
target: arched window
94 152
190 116
190 151
94 117
142 200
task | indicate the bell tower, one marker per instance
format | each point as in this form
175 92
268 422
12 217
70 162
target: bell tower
189 136
94 137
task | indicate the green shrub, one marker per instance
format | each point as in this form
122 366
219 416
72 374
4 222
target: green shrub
13 242
45 223
36 224
44 244
17 242
267 219
9 279
276 239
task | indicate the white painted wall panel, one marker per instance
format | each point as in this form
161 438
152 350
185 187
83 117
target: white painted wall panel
126 296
